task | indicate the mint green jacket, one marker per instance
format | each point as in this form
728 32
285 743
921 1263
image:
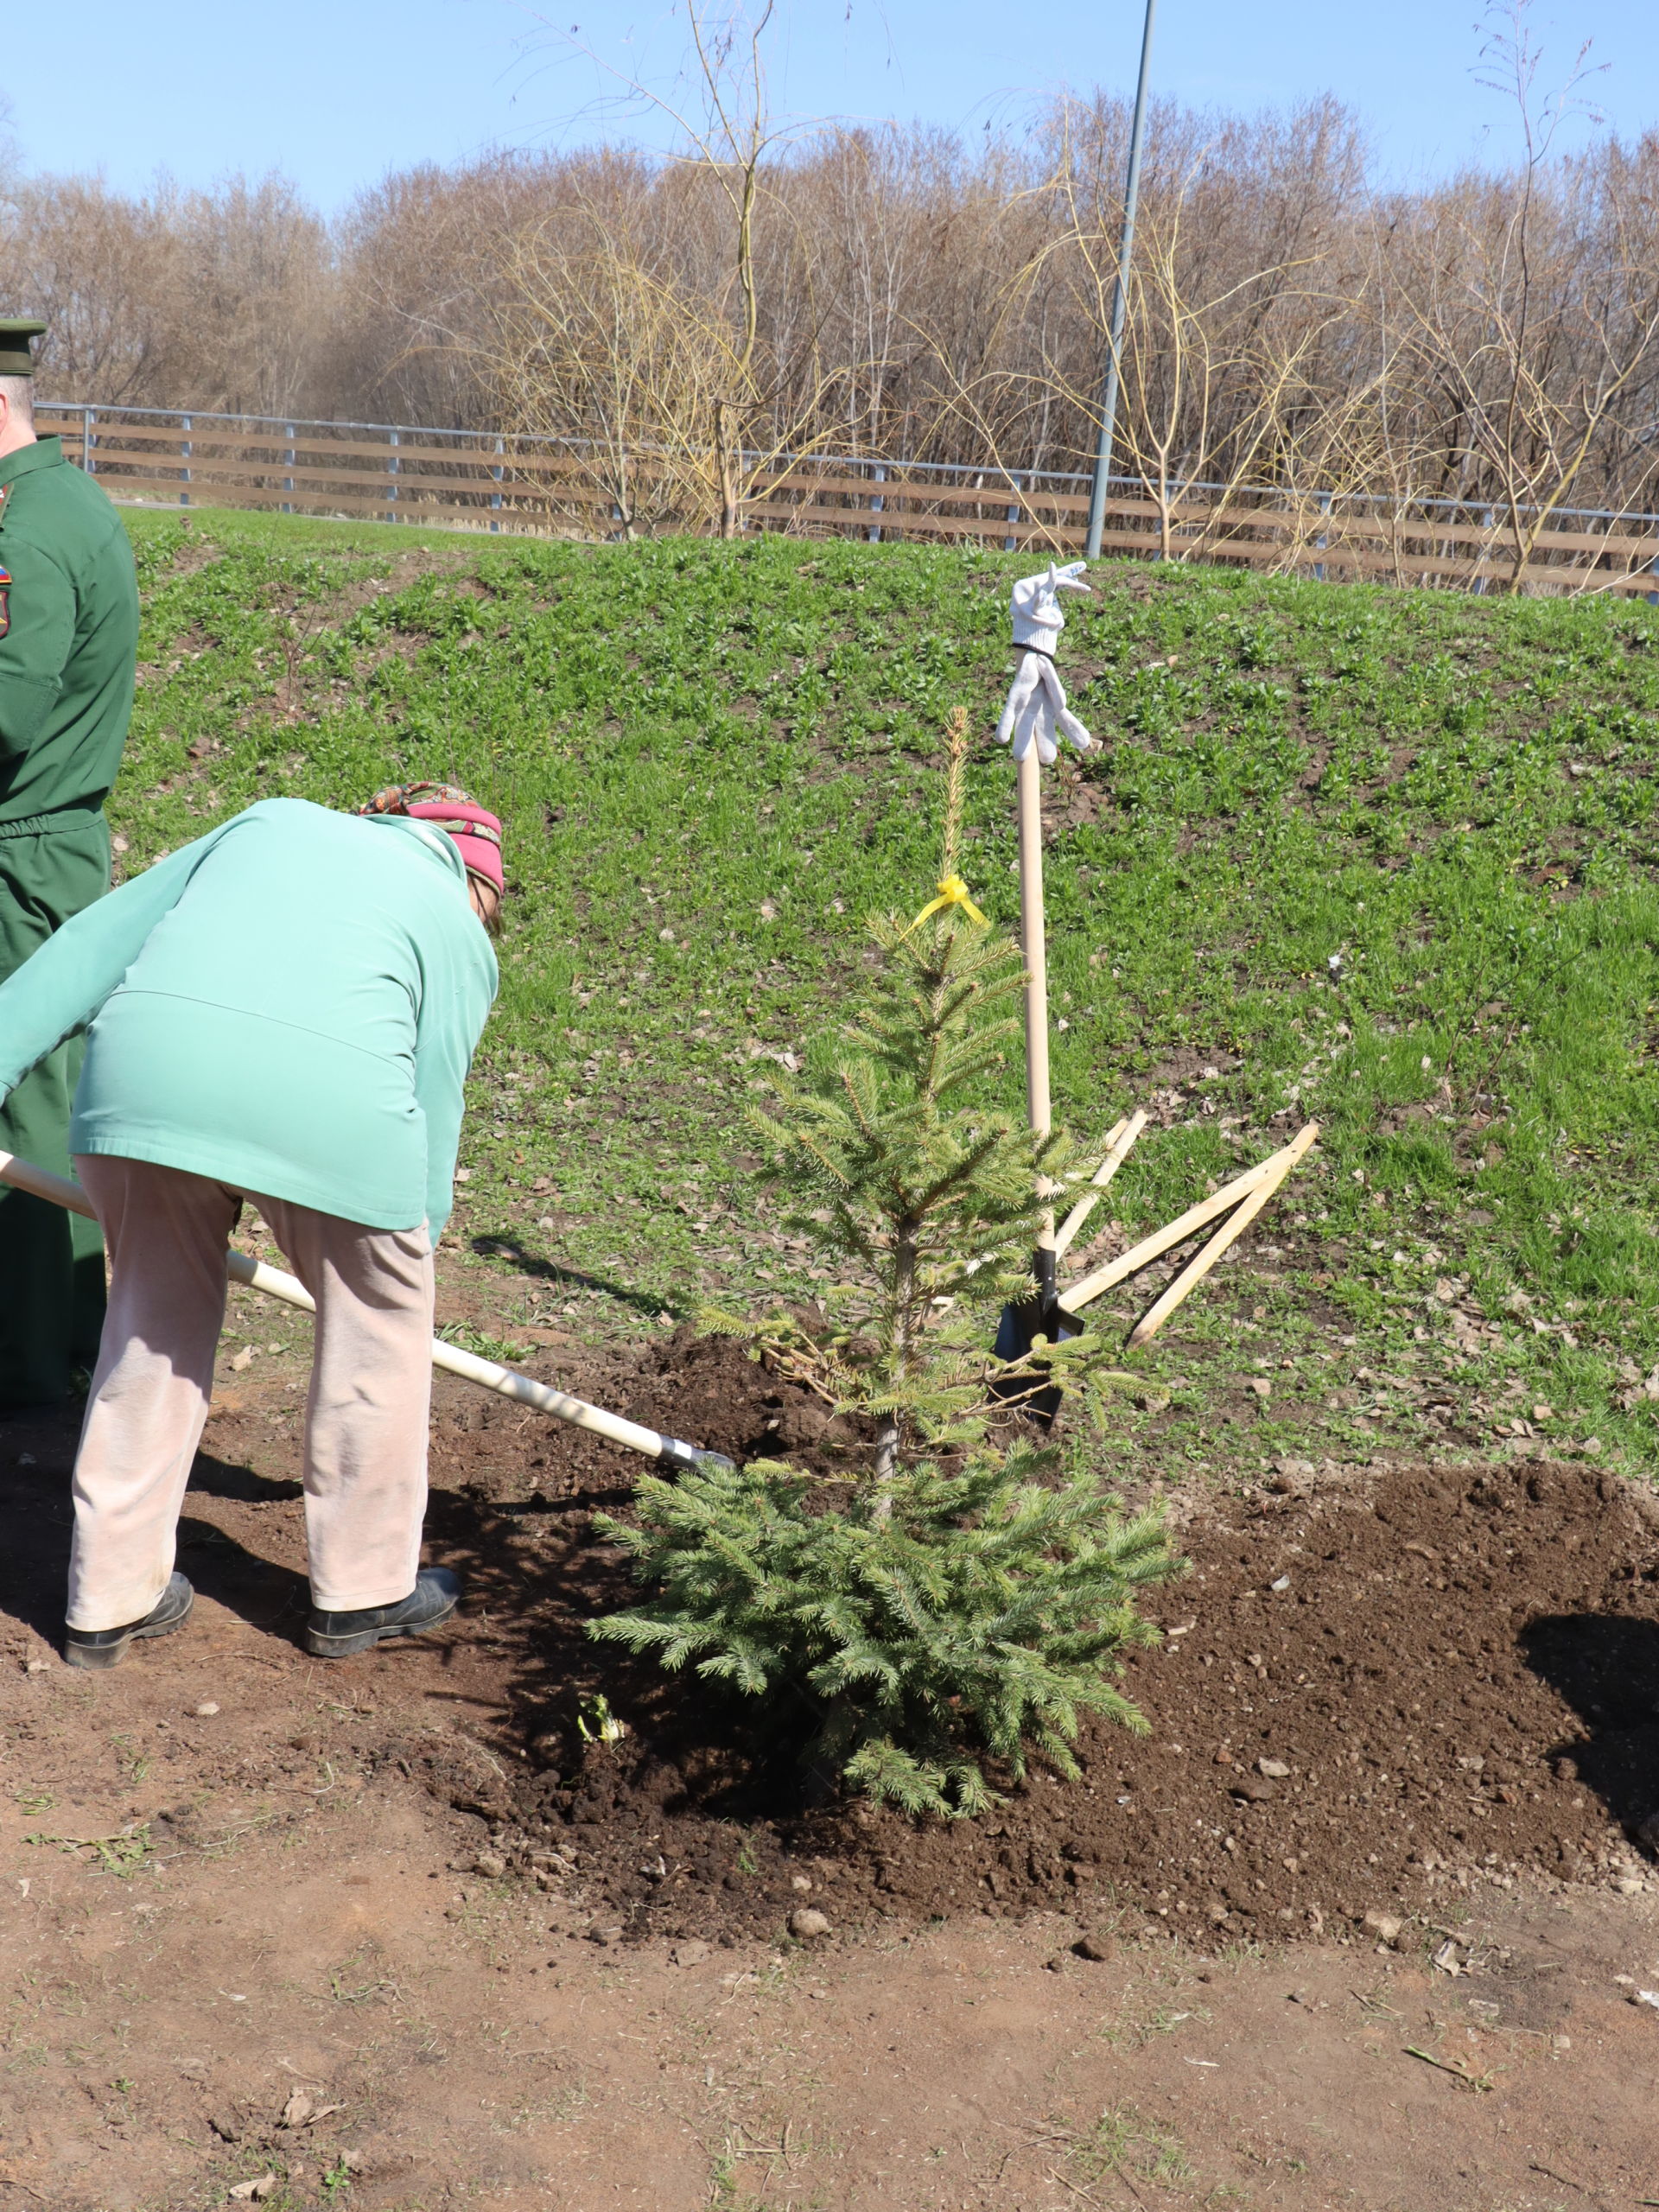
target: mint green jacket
289 1005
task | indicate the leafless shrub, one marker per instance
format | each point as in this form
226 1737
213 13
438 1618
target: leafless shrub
1300 339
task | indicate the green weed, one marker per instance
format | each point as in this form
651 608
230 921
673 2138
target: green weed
1121 2143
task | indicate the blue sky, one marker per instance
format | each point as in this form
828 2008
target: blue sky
335 93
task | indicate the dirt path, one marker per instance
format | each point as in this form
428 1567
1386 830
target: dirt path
238 1884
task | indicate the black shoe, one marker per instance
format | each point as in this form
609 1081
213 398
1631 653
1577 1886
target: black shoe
107 1646
341 1636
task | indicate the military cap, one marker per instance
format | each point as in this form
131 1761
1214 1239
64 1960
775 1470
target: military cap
16 330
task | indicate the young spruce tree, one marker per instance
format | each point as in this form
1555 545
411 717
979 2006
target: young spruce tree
963 1597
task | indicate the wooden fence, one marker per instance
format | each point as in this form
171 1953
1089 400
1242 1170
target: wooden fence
475 480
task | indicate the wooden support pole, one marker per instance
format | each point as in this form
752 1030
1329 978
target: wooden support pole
1119 1139
1161 1240
1033 950
1197 1268
1032 944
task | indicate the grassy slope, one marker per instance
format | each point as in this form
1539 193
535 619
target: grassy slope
715 761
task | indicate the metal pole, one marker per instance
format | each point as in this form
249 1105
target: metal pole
1126 247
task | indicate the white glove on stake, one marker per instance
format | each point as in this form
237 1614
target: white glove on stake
1037 707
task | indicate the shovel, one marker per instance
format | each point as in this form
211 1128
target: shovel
506 1381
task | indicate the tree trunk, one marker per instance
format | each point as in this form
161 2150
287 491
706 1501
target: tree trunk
723 456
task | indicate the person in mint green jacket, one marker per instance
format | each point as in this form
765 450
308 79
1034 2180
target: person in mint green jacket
282 1014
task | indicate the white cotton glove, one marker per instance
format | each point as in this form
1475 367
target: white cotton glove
1036 617
1036 708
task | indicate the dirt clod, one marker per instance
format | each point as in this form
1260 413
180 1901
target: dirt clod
807 1924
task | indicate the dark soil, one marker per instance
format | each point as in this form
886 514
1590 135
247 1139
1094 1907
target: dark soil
1459 1670
370 1881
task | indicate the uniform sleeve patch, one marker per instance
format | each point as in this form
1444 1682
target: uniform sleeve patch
5 601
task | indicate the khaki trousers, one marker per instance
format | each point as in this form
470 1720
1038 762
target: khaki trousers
365 1419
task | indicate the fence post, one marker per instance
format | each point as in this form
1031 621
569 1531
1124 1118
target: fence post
184 454
495 477
392 473
1323 539
88 439
877 506
1009 544
1480 582
288 481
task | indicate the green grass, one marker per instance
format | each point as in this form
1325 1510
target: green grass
714 760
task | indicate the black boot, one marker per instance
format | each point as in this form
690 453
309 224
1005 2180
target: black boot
107 1646
340 1635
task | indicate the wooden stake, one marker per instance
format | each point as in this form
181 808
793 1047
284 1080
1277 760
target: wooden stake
1033 952
1152 1248
1119 1139
1196 1269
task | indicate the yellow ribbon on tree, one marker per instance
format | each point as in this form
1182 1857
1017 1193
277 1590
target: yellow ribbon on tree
953 892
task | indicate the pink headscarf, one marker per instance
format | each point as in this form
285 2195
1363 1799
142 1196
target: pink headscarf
474 829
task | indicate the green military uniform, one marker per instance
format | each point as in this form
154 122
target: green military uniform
68 643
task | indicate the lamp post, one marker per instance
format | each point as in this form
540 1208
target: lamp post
1126 247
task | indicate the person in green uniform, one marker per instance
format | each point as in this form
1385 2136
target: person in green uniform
68 649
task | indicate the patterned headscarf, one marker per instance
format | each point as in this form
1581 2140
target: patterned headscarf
447 807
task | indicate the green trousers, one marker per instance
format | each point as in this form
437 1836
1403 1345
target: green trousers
51 1262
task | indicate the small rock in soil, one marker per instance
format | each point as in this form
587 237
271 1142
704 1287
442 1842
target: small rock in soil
807 1923
491 1864
1252 1791
801 1882
1385 1926
1097 1948
688 1954
206 1710
226 2126
1275 1770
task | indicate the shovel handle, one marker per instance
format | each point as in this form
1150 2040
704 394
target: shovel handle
506 1381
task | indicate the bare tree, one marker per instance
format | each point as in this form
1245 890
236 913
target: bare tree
1536 301
595 347
1334 355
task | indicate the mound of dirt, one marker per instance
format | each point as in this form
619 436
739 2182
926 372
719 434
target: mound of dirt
705 1391
1373 1695
1370 1698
